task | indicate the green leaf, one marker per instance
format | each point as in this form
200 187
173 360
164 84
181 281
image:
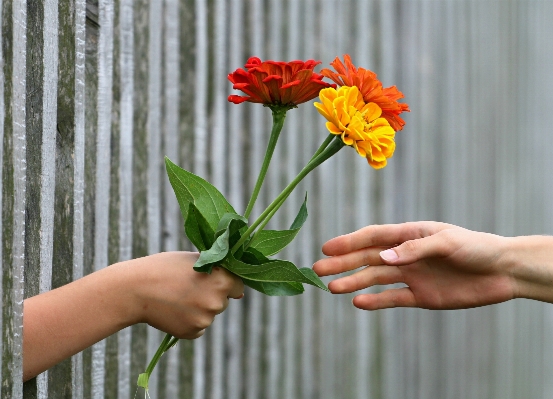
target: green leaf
272 271
222 245
270 242
236 225
198 230
312 276
252 257
275 289
301 217
214 255
226 221
190 188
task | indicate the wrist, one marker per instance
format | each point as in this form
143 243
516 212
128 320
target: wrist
127 286
144 281
530 263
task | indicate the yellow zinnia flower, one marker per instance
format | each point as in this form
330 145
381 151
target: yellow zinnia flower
341 109
359 124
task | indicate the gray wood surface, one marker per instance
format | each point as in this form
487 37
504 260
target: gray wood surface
93 95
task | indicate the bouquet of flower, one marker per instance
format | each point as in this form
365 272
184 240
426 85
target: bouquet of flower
360 114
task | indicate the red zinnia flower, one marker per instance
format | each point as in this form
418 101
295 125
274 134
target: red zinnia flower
277 83
370 88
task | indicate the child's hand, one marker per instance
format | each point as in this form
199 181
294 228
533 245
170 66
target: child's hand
173 297
162 290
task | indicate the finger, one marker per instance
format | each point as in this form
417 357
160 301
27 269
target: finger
347 262
437 245
372 275
198 334
222 306
381 235
392 298
237 289
233 285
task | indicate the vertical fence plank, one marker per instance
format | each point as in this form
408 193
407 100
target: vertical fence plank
187 85
155 22
49 130
91 123
111 354
219 168
391 321
34 122
125 228
19 176
13 206
257 129
102 171
139 354
363 204
308 252
453 195
234 347
547 87
288 140
60 377
42 66
3 71
329 341
273 184
171 212
79 173
200 160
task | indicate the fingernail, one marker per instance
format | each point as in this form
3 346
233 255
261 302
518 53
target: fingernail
390 255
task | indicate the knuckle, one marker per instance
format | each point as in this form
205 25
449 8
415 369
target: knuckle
357 281
411 246
377 278
366 257
448 241
393 299
217 306
240 284
203 322
193 335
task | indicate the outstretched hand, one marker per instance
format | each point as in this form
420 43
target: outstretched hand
162 290
443 266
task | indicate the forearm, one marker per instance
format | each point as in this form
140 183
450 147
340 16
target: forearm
530 261
57 324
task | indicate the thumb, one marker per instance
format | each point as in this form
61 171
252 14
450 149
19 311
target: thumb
414 250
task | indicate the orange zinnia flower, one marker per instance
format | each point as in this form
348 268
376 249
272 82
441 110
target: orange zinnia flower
371 89
359 124
274 83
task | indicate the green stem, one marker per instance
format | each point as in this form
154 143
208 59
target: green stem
323 146
171 343
323 156
269 216
279 114
160 351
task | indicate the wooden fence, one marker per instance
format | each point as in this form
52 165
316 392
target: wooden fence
93 94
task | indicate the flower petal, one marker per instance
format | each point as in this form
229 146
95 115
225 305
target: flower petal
279 83
370 88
